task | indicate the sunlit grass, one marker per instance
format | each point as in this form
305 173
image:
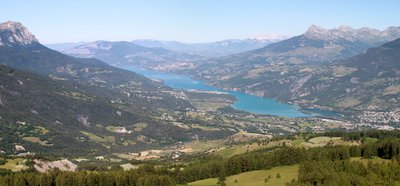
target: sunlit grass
259 177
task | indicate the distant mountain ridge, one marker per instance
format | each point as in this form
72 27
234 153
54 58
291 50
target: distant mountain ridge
210 49
365 34
93 48
64 46
122 53
213 49
318 45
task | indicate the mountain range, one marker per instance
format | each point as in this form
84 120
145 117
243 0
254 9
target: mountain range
64 46
161 55
124 53
316 45
60 104
304 69
212 49
283 70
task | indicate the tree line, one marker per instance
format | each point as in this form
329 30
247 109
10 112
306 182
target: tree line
145 175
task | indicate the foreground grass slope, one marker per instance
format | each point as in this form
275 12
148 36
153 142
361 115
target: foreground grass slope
269 177
258 177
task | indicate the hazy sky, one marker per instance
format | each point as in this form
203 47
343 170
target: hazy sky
191 20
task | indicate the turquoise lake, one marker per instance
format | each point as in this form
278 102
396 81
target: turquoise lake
244 102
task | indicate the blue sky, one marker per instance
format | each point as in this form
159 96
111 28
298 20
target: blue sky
191 20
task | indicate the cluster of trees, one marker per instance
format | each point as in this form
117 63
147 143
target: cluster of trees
319 165
346 172
145 175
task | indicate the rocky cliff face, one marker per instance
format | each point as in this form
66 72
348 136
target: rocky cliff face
14 34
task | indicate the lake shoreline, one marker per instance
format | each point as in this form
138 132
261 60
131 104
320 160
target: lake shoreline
244 102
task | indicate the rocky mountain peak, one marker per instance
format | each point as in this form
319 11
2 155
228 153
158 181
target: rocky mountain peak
15 34
314 30
367 35
317 32
391 33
